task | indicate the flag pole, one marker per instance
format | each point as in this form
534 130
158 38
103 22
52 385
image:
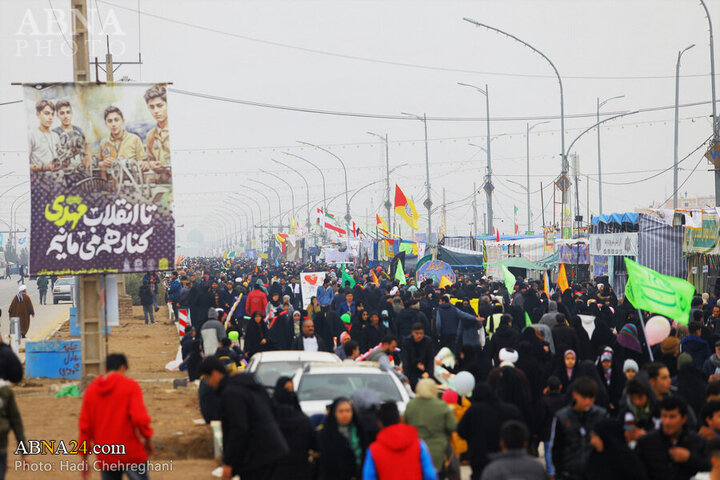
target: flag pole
642 325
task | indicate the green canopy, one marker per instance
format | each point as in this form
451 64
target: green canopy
519 262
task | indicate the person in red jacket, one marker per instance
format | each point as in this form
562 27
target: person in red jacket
113 413
397 452
256 301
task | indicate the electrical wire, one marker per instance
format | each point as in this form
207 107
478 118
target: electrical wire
388 62
684 181
52 9
633 182
429 118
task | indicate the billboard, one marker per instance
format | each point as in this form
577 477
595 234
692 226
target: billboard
100 178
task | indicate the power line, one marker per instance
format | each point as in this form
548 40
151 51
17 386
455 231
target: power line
406 118
633 182
52 9
389 62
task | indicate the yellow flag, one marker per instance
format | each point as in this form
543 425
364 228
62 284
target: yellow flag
562 281
445 282
406 208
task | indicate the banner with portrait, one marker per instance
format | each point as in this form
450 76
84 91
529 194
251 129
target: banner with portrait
100 178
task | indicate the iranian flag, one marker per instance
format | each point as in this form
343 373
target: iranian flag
331 224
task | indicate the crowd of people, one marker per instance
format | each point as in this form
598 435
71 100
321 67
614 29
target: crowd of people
519 376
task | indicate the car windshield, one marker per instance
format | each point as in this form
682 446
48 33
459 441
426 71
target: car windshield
269 372
64 281
329 386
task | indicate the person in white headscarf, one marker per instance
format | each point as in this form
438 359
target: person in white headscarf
22 307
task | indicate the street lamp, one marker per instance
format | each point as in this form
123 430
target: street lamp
428 202
716 120
292 192
488 186
347 203
307 188
322 175
597 124
599 105
248 197
564 169
387 204
278 199
527 168
677 120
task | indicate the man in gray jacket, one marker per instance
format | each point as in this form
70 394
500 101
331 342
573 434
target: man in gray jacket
514 462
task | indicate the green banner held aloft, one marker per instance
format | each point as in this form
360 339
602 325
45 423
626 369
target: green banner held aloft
509 279
346 277
654 292
400 274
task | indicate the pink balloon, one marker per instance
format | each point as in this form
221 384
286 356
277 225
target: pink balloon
657 329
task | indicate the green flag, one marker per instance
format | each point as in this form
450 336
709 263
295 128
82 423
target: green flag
346 277
654 292
400 274
528 322
509 279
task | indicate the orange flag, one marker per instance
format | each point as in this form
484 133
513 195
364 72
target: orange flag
562 281
374 277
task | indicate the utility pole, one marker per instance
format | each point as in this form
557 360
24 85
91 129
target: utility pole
428 201
578 217
475 215
89 286
677 121
444 216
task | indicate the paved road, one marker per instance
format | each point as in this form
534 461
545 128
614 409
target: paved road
45 315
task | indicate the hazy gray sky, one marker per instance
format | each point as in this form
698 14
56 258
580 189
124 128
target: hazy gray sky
220 145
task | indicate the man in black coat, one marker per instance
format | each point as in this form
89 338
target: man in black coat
564 336
417 355
10 367
673 452
253 443
504 337
571 428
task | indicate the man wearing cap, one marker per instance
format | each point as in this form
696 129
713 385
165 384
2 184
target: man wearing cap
669 351
22 307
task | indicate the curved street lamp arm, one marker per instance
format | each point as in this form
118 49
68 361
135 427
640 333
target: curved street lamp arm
557 74
595 125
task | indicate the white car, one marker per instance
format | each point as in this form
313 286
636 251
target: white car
269 366
318 385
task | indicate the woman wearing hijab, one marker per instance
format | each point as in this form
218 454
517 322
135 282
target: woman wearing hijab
256 335
21 306
565 371
297 430
342 443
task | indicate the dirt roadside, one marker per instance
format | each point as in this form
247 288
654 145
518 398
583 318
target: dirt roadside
182 447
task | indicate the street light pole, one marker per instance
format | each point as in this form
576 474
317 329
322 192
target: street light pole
677 121
292 192
279 202
307 189
347 201
527 170
597 124
564 169
428 201
388 203
488 185
599 105
716 120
